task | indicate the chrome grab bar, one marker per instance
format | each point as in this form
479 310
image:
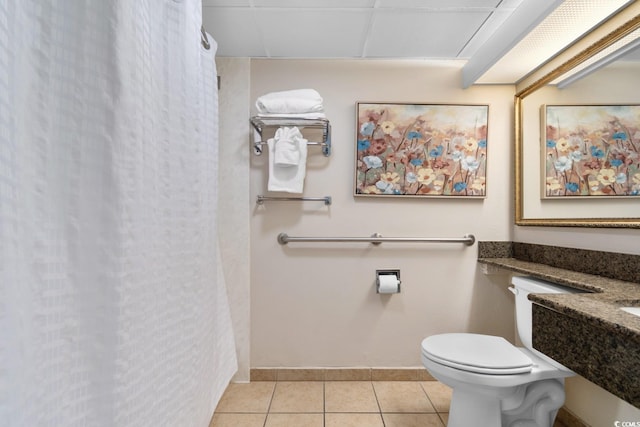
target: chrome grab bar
261 199
376 239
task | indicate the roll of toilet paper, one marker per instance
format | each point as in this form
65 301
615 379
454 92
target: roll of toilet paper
388 284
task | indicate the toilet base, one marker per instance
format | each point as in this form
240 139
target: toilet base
532 405
538 407
470 409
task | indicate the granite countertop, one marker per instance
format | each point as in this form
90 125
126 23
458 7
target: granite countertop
586 331
599 305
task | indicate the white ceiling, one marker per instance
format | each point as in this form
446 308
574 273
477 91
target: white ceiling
434 29
477 31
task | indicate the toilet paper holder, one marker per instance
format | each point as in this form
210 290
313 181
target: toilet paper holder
380 273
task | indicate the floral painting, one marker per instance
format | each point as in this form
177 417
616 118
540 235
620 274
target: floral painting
591 150
421 150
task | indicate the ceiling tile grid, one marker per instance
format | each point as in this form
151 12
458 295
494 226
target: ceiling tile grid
438 4
432 29
501 40
318 4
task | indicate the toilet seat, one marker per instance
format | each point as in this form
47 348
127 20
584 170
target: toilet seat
483 354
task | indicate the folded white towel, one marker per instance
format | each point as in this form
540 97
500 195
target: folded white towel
287 147
293 115
289 178
290 101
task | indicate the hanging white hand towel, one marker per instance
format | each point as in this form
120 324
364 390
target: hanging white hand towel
290 101
286 173
287 147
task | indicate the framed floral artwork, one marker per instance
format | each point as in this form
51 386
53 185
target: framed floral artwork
421 150
590 151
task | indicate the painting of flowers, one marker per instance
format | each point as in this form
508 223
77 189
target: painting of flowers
421 150
591 150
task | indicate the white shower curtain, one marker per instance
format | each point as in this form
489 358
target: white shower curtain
113 311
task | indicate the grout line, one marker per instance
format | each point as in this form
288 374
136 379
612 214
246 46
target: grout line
429 399
377 401
273 393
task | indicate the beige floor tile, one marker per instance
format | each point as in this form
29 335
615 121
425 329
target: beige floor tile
295 420
445 418
238 420
412 420
401 396
251 397
298 396
350 396
439 394
353 420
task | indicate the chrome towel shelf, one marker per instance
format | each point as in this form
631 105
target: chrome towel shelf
376 239
259 123
261 199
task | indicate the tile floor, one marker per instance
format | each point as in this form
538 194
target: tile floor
334 404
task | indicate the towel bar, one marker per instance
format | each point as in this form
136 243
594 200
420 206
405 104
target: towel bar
259 123
257 147
261 199
376 239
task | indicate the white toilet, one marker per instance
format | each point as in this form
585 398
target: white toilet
496 384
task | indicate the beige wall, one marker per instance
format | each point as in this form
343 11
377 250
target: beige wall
234 203
315 304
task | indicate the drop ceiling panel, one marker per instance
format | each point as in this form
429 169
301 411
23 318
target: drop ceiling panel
510 4
326 4
421 34
224 24
226 3
313 33
439 4
430 29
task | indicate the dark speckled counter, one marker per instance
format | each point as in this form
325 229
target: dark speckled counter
587 332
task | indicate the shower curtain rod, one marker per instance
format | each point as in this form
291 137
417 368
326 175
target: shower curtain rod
376 239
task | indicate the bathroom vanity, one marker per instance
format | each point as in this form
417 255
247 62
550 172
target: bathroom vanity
594 333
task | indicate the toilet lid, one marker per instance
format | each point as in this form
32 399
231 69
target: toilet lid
484 354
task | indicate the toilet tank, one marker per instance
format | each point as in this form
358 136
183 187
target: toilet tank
522 287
